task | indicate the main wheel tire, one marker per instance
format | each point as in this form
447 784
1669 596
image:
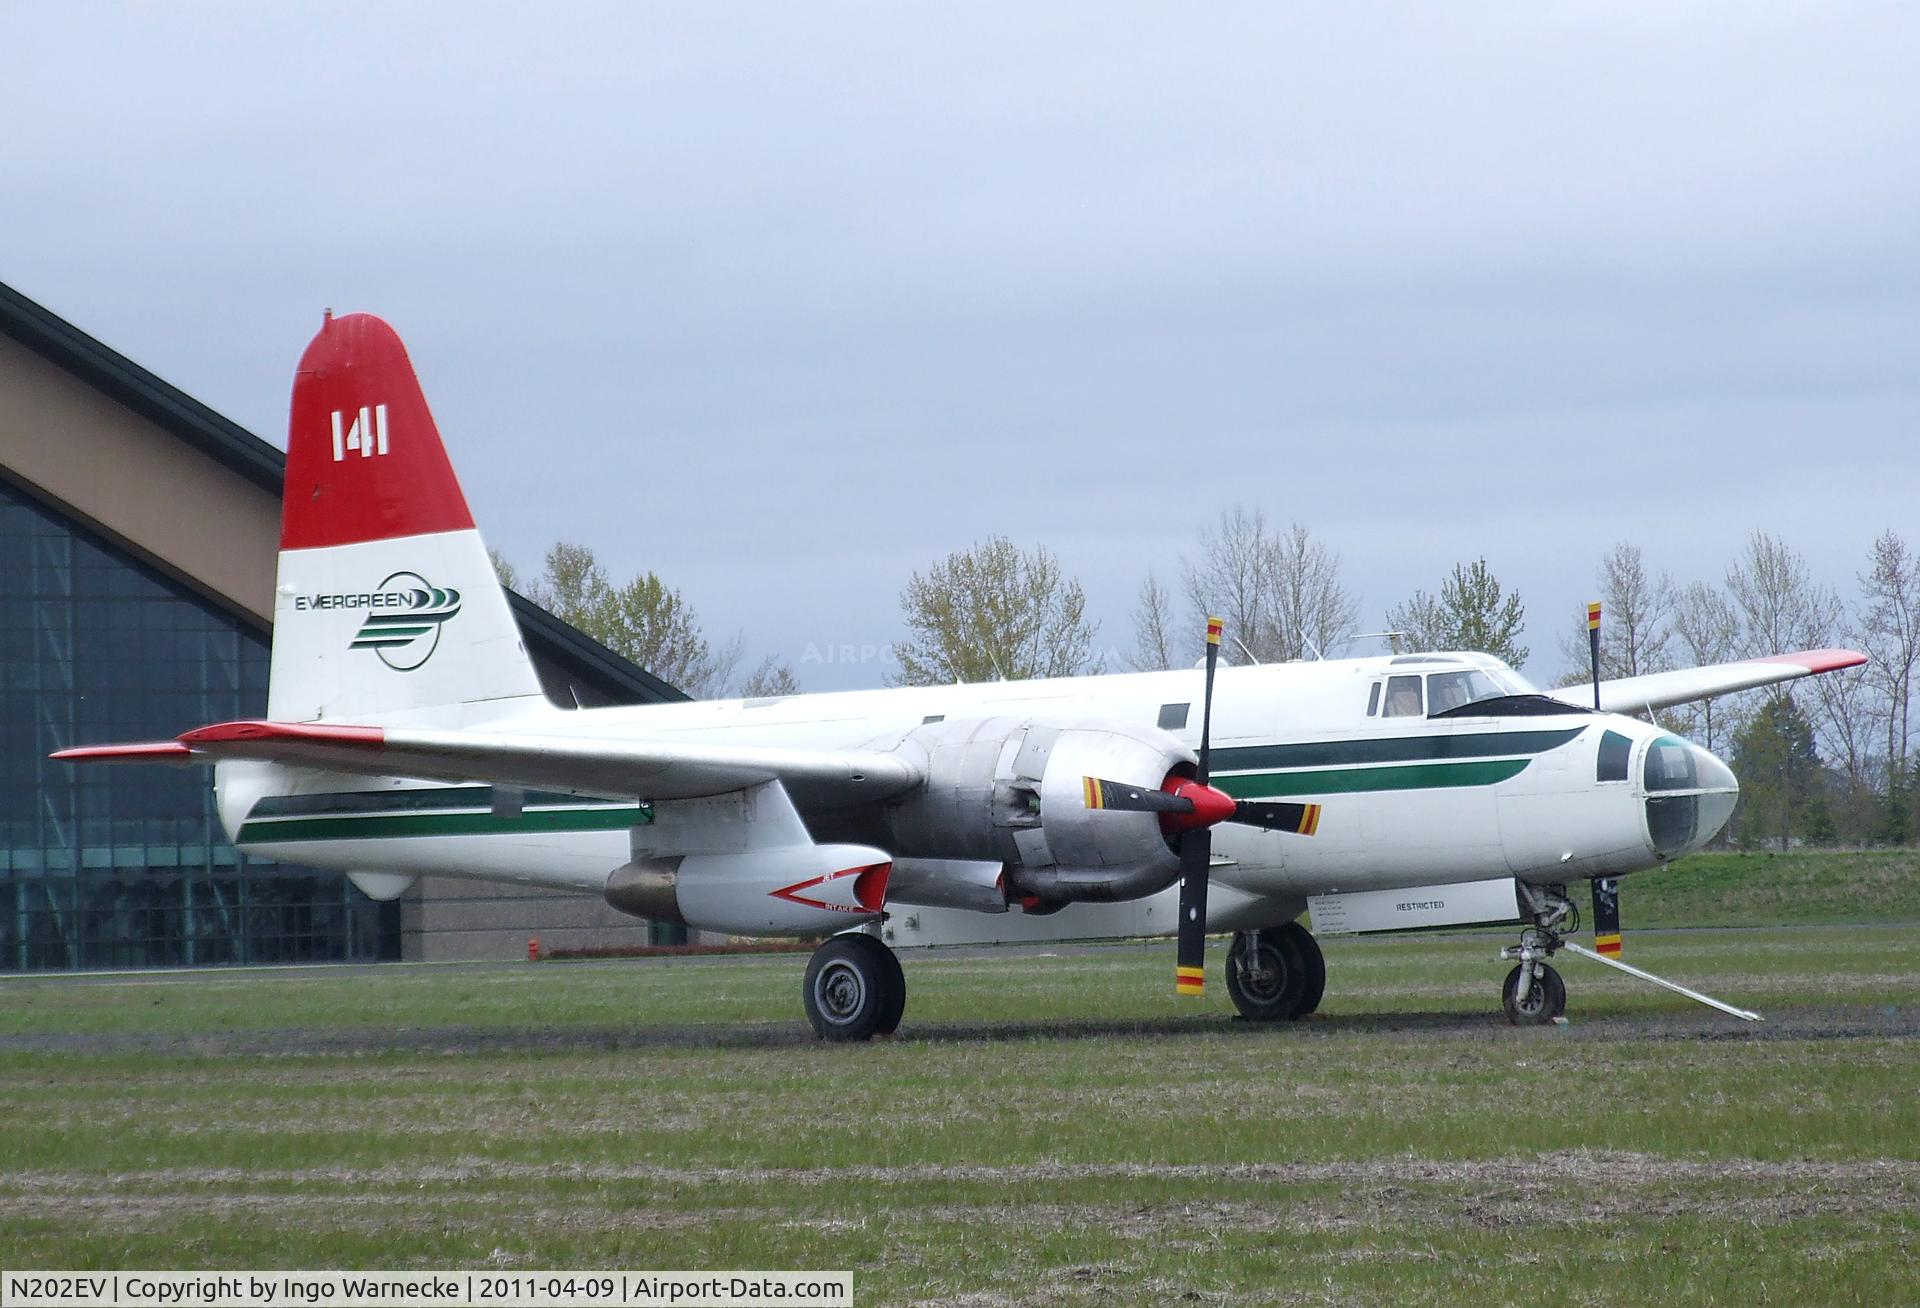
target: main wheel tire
1263 976
1313 966
893 981
1545 997
846 989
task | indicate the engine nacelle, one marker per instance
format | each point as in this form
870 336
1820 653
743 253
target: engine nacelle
788 890
1013 792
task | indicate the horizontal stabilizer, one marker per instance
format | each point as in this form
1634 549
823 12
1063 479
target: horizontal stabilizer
152 751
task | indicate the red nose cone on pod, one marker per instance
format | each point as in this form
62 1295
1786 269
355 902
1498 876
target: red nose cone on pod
1210 806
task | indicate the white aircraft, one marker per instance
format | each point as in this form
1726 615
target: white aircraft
406 734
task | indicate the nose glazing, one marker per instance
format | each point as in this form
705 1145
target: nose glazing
1690 796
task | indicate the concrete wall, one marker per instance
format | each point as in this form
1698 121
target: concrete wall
447 918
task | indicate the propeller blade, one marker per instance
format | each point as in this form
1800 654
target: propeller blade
1196 850
1121 797
1205 773
1606 916
1593 648
1300 819
1190 970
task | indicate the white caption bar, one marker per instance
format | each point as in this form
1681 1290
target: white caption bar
338 1289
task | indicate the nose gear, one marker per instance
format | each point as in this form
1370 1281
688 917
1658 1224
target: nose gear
1533 993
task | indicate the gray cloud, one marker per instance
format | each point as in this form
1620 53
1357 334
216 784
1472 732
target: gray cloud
784 302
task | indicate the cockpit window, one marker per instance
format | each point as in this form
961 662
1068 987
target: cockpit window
1452 690
1403 697
1615 749
1373 699
1511 682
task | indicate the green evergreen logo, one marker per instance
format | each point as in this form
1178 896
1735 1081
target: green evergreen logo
405 630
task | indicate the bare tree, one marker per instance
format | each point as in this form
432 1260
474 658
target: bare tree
994 611
1781 607
1230 578
1313 612
1636 613
1152 618
1279 593
1848 717
1890 629
1708 631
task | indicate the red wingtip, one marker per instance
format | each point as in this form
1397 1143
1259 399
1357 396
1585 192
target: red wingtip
364 459
1818 660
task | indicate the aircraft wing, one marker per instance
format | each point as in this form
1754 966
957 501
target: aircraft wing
618 768
1661 689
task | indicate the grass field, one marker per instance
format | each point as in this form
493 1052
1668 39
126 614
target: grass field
1774 889
1050 1129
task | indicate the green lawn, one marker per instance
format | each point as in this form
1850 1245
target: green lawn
1777 889
1047 1129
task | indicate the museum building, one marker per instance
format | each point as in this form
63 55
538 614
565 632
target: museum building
138 537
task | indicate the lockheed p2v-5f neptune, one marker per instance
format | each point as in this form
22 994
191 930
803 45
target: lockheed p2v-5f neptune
407 734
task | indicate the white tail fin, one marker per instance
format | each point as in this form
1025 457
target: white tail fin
387 603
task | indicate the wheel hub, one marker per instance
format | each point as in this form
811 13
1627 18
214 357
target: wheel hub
840 991
1263 974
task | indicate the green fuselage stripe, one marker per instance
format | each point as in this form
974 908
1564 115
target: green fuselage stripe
381 826
1354 781
1274 781
1389 749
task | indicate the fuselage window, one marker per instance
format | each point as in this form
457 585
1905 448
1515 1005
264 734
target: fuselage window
1173 717
1614 749
933 717
1373 699
1403 698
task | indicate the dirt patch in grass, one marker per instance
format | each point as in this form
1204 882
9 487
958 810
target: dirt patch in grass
1582 1167
1826 1022
1570 1188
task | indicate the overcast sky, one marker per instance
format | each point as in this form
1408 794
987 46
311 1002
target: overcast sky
786 301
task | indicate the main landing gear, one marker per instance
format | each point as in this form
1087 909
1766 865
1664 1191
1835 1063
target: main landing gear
854 989
1276 975
1533 993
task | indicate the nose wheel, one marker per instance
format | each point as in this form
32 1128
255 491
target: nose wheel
1534 994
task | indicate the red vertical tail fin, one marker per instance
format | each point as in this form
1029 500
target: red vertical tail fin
364 458
387 603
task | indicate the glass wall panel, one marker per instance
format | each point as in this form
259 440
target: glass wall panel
126 865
